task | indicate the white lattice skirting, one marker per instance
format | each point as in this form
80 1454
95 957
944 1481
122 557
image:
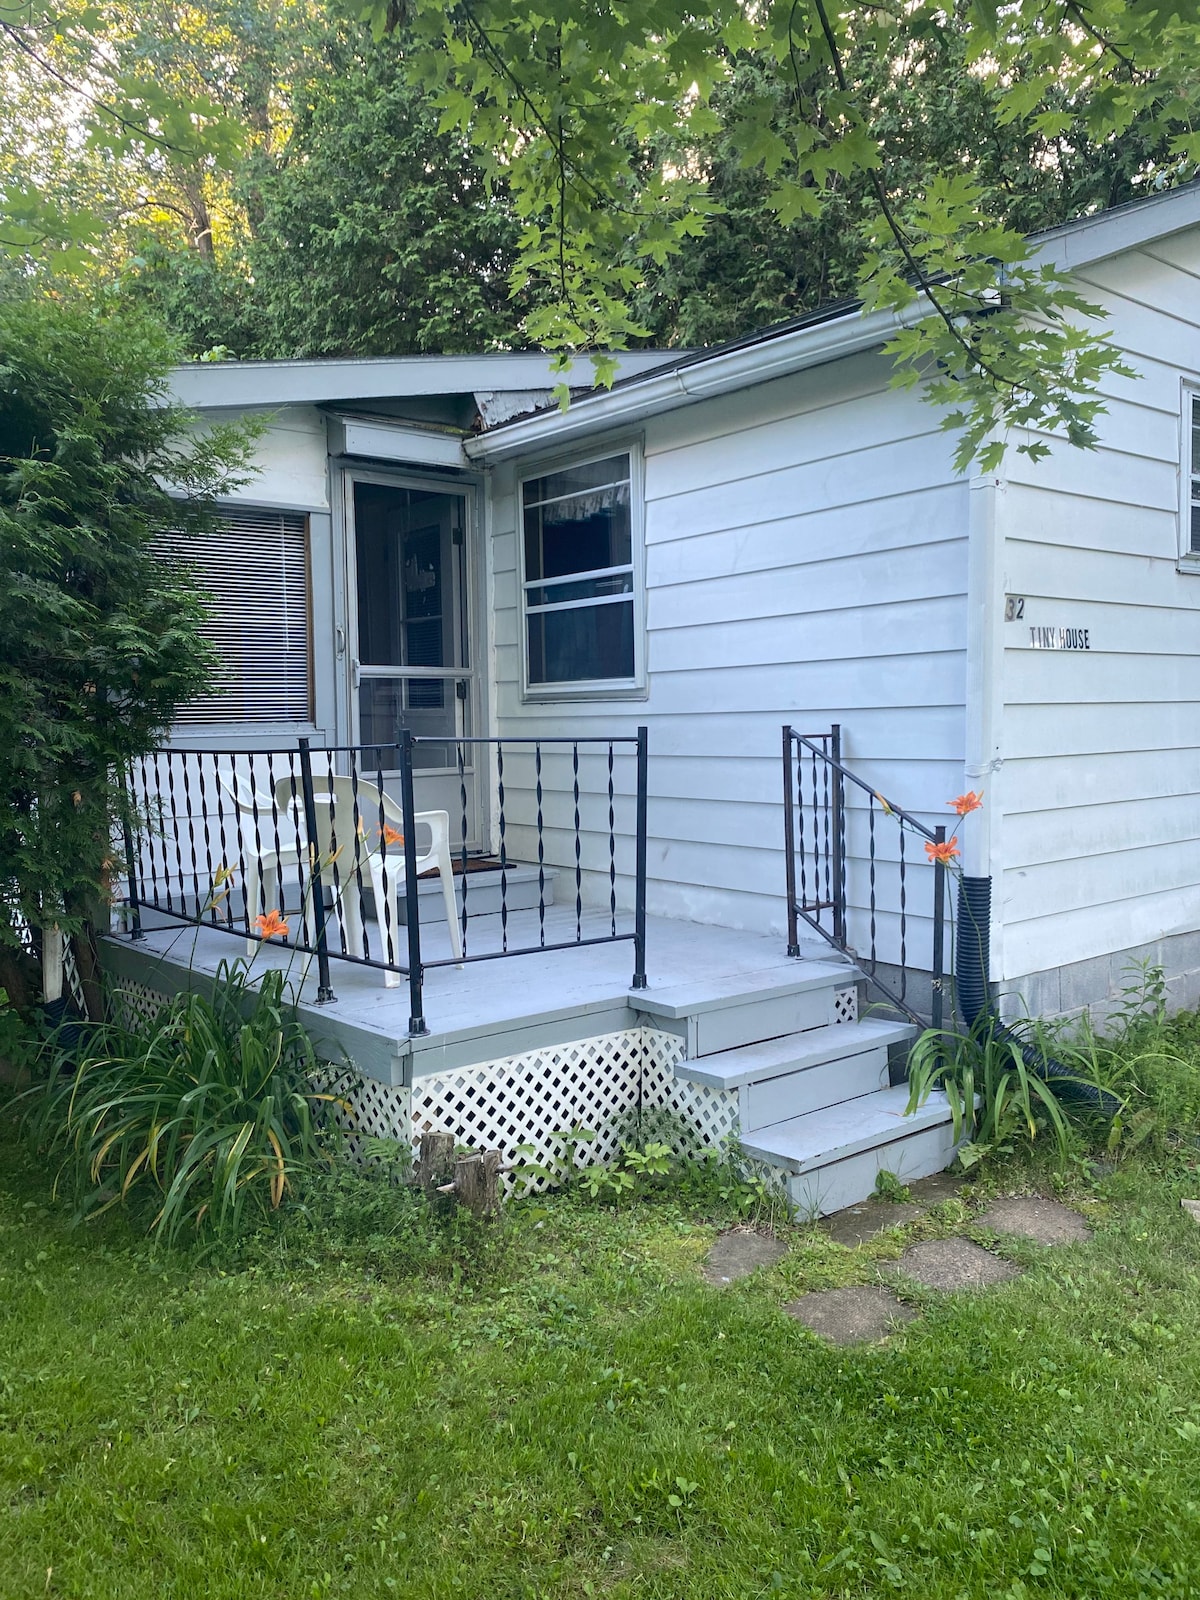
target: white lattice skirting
527 1106
531 1100
597 1084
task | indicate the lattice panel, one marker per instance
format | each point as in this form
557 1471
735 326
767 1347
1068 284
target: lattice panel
845 1005
139 1002
368 1109
523 1100
712 1113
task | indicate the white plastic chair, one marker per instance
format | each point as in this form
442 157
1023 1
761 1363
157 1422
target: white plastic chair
366 850
262 868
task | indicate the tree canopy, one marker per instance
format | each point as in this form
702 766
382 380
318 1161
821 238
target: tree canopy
288 176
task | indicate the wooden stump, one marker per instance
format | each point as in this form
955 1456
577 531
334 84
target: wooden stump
477 1182
435 1162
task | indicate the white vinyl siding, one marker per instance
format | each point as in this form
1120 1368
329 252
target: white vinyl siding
1099 790
253 567
805 559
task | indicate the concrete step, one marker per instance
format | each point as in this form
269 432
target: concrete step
747 1007
778 1079
831 1158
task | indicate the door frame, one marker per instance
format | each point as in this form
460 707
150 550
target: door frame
469 488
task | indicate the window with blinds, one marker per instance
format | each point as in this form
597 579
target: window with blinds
254 567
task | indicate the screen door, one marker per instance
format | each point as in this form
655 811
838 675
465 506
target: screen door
412 661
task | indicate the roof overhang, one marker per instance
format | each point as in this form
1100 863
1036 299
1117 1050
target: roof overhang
245 385
790 350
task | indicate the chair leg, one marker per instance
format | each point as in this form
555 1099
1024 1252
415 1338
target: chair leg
384 903
446 874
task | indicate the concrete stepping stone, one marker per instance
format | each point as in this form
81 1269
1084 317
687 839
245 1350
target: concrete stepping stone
737 1253
1032 1216
856 1224
862 1314
951 1264
1192 1207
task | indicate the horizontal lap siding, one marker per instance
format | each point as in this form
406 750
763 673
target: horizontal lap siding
805 561
1100 787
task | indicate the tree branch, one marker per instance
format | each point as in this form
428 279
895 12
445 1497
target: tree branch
15 35
924 283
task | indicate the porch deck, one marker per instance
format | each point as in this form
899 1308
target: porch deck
490 1009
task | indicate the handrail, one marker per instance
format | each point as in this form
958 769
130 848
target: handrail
220 837
815 841
915 823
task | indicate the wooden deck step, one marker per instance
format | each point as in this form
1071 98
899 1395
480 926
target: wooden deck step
723 1013
778 1079
832 1157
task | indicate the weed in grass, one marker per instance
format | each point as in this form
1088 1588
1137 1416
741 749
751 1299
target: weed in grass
889 1187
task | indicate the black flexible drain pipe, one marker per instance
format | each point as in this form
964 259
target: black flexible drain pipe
972 959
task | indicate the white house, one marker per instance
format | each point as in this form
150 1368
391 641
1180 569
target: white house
726 542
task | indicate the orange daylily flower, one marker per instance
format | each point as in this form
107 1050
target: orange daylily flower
943 853
271 926
391 835
963 804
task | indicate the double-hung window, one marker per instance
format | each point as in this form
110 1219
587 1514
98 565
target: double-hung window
1189 543
579 580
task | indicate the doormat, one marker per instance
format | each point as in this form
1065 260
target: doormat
474 864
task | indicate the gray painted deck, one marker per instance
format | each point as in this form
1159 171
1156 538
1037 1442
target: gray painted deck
486 1009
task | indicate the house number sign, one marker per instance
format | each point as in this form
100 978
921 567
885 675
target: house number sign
1046 638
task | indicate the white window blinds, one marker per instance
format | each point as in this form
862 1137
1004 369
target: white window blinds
253 566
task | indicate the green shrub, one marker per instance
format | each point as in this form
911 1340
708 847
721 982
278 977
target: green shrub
996 1097
206 1111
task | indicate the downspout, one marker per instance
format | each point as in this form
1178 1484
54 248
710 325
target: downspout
983 760
982 754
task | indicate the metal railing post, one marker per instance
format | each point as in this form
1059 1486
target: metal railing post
315 887
837 843
135 906
416 1019
639 904
789 843
939 933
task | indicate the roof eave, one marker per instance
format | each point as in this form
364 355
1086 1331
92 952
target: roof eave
733 369
1074 246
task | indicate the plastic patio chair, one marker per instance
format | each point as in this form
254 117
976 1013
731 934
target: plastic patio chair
366 849
262 870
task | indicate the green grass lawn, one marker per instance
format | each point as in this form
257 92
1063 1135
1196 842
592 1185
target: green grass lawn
584 1416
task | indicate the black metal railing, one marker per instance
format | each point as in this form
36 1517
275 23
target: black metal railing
826 841
322 849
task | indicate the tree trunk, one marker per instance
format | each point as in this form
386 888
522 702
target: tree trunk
87 962
435 1163
477 1182
19 979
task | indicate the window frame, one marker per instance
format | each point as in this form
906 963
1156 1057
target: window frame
583 689
1187 559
